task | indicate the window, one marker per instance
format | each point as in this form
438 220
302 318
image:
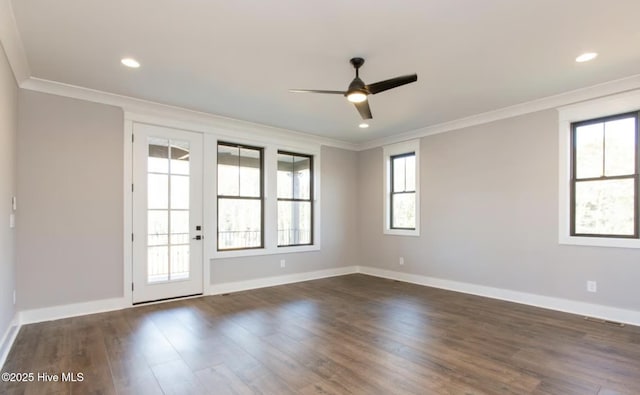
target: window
402 202
240 197
403 191
604 177
295 199
598 172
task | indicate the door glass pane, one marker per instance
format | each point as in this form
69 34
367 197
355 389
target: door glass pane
589 150
158 227
179 157
157 264
239 223
179 192
158 161
294 223
404 209
620 147
168 237
157 191
605 207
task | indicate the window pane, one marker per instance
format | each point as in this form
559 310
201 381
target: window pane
180 192
180 157
250 164
228 170
605 207
158 160
302 179
620 147
589 150
157 264
398 168
410 176
285 176
404 211
294 223
157 191
239 223
157 227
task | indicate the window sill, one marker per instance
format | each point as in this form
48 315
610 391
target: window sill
402 232
599 242
264 251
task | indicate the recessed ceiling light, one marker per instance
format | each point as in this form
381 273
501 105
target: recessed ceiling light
363 125
587 56
130 62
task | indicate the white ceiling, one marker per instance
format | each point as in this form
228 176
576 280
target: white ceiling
239 58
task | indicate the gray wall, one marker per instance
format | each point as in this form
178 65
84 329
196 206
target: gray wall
70 190
8 130
339 229
490 217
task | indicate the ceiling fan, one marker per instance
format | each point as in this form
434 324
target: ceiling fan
358 91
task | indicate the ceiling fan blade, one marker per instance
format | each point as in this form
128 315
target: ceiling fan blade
316 91
382 86
364 109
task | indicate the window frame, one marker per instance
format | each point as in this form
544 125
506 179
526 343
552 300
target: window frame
390 152
310 200
392 192
612 105
240 197
575 180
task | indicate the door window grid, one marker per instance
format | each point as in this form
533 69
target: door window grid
167 211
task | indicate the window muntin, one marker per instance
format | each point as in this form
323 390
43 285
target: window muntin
604 177
403 191
240 197
295 199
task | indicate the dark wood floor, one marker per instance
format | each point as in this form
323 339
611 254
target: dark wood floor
353 334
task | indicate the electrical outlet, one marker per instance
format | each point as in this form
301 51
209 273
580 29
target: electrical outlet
282 263
592 286
401 261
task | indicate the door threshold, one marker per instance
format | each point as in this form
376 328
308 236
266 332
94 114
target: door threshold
169 299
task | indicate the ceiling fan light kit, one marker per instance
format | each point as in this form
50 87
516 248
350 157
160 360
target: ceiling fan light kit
358 91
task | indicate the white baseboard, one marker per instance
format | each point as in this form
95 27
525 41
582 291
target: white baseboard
72 310
7 340
217 289
631 317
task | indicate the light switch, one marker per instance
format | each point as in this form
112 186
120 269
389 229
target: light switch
12 221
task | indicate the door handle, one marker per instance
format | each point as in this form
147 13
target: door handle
198 237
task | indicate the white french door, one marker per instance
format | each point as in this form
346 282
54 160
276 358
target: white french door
167 213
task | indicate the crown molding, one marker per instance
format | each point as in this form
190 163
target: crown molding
153 109
12 43
550 102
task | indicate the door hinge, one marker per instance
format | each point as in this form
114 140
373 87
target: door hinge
131 187
131 287
132 237
133 138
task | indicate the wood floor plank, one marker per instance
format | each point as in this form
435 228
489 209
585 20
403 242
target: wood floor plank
352 334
